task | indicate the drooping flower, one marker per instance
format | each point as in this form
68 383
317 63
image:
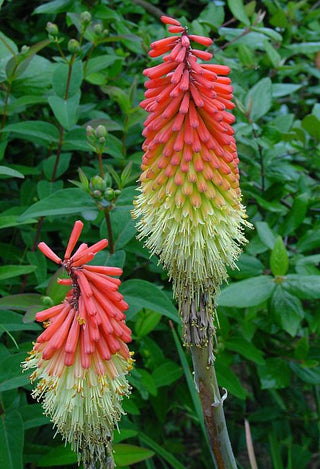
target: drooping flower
189 208
81 358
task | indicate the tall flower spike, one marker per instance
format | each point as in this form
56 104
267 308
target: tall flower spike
81 358
189 208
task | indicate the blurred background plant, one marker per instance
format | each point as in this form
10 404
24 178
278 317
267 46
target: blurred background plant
70 147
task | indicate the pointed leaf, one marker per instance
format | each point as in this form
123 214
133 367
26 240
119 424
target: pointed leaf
249 292
11 437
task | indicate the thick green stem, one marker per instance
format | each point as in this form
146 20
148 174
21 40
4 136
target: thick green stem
212 407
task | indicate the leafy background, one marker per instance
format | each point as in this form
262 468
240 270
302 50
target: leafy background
268 342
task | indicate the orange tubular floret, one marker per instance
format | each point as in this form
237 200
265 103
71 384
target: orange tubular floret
164 42
205 41
169 20
49 313
104 270
75 233
176 29
73 336
49 253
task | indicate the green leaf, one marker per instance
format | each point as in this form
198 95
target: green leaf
259 99
11 437
248 267
62 202
309 241
65 110
99 63
237 9
306 287
167 373
63 165
287 310
10 372
275 374
228 379
265 234
142 294
147 382
308 375
312 125
124 434
121 96
146 322
273 55
249 292
284 89
34 130
58 456
245 348
33 416
125 455
275 450
24 101
9 172
123 226
279 260
161 451
61 77
10 271
8 221
303 48
10 321
301 348
296 215
17 65
20 302
54 7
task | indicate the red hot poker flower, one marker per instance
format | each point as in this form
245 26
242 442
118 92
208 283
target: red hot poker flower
189 209
81 358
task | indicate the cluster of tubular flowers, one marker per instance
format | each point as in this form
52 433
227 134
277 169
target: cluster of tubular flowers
189 208
81 358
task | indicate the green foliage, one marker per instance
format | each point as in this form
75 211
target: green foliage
267 350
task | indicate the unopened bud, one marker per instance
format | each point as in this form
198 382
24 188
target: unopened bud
98 29
85 17
101 131
47 300
24 49
97 194
117 192
97 183
52 29
109 194
105 32
73 46
89 130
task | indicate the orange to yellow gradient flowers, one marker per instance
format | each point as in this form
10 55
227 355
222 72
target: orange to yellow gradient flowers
81 358
189 208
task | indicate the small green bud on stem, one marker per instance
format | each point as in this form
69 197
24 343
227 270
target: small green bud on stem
73 46
85 17
52 29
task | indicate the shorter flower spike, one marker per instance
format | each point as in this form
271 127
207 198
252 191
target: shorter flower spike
81 358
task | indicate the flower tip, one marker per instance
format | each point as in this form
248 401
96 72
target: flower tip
169 20
75 233
44 248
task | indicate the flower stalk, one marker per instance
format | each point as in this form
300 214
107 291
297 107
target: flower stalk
212 407
189 209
